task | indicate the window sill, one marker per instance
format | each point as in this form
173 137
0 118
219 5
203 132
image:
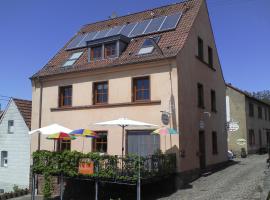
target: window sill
214 111
201 107
96 106
210 67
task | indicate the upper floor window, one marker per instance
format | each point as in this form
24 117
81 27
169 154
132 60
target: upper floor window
214 143
269 114
72 59
265 113
141 89
148 46
65 96
200 95
213 101
4 158
251 110
100 94
259 112
210 57
100 144
10 126
110 50
200 48
96 53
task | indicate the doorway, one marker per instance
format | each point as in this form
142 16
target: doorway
202 149
142 143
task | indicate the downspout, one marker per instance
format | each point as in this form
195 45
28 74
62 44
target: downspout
40 110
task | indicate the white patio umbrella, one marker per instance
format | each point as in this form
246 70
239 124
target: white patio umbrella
124 122
51 129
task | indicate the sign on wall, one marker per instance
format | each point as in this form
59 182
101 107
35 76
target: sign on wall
86 167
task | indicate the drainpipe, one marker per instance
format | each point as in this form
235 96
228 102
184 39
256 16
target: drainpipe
40 110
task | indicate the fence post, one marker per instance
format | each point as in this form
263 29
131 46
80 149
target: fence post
139 181
96 182
33 187
61 186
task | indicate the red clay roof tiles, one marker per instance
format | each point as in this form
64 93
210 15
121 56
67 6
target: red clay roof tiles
171 42
25 108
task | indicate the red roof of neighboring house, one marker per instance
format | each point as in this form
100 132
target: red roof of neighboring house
171 42
25 108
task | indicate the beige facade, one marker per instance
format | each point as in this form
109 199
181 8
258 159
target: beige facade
173 88
239 111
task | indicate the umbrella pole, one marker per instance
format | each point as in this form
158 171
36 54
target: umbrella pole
83 145
171 140
123 141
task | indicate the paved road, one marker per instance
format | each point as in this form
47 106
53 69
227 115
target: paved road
238 182
241 181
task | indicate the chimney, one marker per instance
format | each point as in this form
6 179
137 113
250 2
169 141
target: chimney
113 15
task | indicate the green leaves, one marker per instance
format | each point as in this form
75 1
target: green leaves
105 166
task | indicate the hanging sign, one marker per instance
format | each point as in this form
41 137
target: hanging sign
86 167
241 141
165 118
232 126
201 124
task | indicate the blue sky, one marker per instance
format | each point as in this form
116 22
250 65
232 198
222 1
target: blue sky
32 31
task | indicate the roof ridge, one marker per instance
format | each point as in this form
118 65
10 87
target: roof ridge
17 99
246 93
135 13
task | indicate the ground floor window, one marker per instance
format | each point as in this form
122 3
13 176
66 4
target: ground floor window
251 137
214 143
142 143
4 158
64 145
100 144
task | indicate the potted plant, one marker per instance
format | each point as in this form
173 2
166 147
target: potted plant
243 153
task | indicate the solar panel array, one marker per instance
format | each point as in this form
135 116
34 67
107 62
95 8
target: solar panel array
148 26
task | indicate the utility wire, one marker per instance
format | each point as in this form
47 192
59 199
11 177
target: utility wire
4 99
4 96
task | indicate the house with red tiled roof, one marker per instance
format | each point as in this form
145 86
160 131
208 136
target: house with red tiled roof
158 62
15 124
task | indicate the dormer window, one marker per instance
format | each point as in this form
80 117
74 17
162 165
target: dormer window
96 52
72 59
148 45
110 50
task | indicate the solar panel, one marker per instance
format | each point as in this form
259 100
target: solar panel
154 25
115 30
139 29
170 22
102 34
75 41
89 37
127 29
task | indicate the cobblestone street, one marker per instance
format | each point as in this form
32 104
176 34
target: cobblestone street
243 180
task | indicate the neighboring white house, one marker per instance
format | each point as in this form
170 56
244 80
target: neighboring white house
15 123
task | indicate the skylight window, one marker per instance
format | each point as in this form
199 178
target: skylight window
148 45
72 59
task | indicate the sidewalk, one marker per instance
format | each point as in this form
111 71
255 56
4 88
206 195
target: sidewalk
28 197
